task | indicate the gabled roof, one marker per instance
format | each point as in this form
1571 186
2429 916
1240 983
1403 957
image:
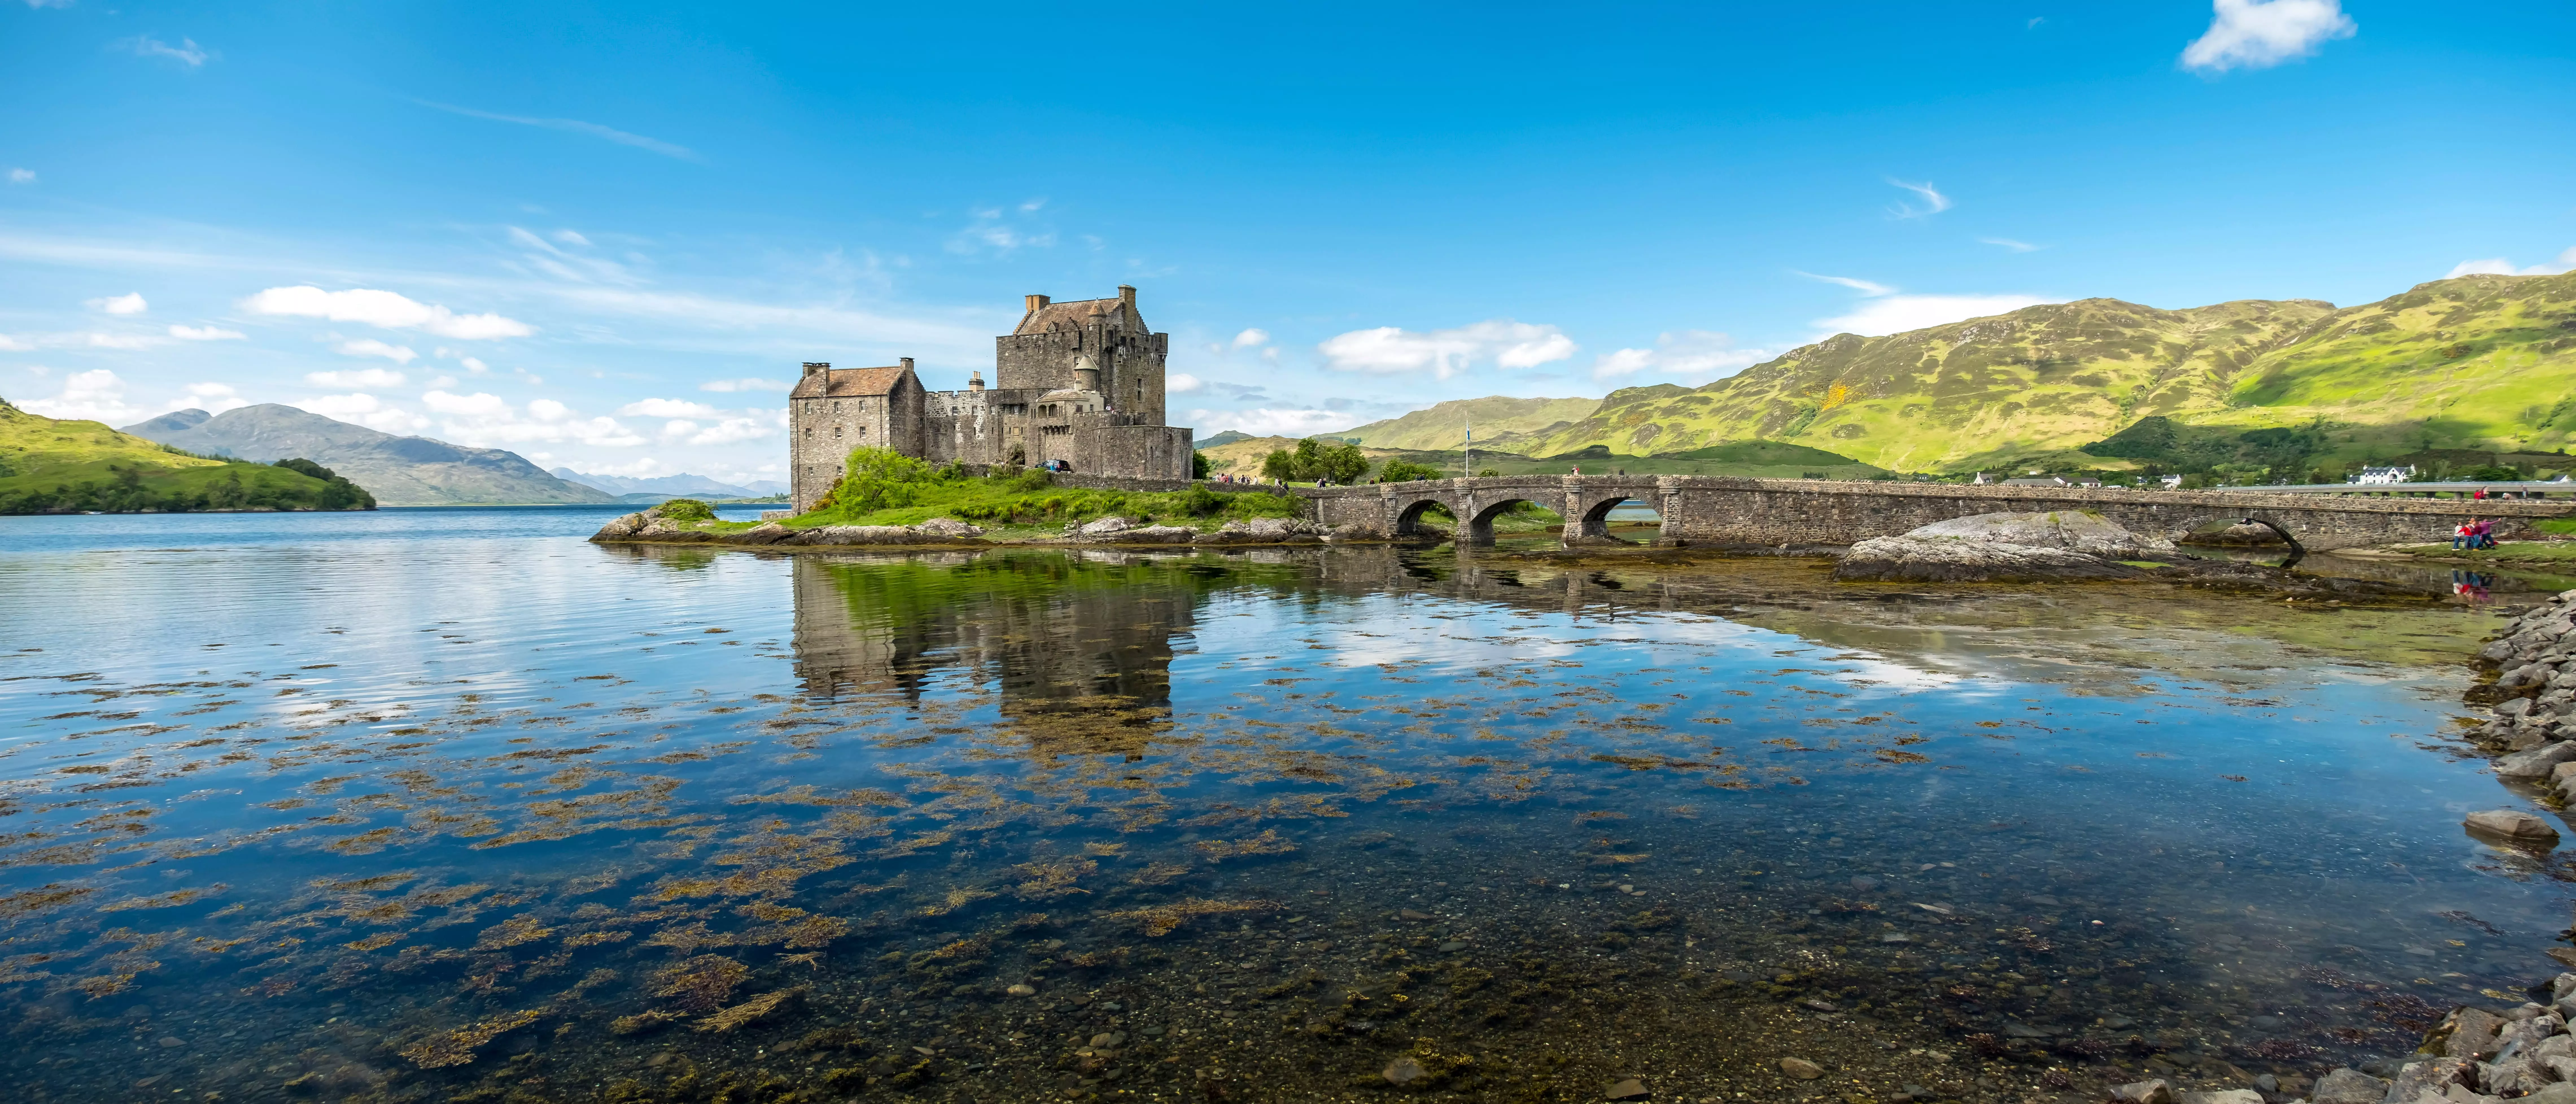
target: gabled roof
836 383
1078 312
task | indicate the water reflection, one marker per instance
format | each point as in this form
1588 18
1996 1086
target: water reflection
678 824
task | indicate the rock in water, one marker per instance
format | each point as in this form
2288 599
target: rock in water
2150 1092
1402 1071
2512 824
2061 544
1801 1069
2223 1096
1625 1089
1105 526
2348 1086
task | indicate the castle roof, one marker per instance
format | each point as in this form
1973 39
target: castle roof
836 383
1076 313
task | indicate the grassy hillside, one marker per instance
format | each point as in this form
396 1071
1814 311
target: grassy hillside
2484 363
1755 459
58 466
1441 426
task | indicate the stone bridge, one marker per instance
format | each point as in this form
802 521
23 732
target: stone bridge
1719 511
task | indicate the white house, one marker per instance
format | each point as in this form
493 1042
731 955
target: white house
2385 475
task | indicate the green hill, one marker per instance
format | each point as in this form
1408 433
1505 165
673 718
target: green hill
50 466
2480 363
1498 420
400 471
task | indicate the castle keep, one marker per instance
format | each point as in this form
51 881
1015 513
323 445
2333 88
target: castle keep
1078 382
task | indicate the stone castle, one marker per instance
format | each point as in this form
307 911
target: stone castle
1079 383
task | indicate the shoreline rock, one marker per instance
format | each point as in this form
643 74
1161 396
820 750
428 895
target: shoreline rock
654 526
2004 548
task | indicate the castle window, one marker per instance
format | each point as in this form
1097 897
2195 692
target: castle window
836 431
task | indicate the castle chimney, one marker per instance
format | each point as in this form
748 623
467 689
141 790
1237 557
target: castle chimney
1127 294
812 367
1037 301
907 364
975 380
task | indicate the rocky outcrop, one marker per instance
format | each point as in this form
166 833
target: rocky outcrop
2004 548
2533 698
1267 531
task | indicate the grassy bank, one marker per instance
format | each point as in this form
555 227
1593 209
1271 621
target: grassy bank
887 488
2537 553
63 466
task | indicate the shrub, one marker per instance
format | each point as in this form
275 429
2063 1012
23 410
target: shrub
1199 465
876 479
1406 471
686 511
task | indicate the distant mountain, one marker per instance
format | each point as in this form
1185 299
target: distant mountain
671 486
398 471
1221 440
2484 363
1496 419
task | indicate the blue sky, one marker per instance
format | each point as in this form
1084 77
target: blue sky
605 235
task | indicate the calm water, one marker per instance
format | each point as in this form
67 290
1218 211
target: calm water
423 805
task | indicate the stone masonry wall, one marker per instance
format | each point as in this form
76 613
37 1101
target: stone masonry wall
1770 512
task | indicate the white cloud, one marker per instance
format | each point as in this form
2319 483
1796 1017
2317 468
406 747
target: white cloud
365 410
474 366
730 431
1933 201
2256 34
356 377
399 354
571 237
1252 337
96 395
2015 246
485 420
669 408
2498 266
1899 313
22 176
128 303
10 344
746 384
1864 287
1181 383
1270 421
384 309
576 126
213 398
1697 356
1445 353
187 52
206 333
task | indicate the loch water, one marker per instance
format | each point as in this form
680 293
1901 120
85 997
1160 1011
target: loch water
452 805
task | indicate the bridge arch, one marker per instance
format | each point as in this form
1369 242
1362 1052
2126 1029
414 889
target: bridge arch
1481 529
1408 520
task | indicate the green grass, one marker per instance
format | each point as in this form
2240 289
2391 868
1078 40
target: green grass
2563 527
889 492
48 465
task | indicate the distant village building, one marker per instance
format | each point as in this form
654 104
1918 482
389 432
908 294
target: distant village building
2385 475
2172 482
1076 386
2035 481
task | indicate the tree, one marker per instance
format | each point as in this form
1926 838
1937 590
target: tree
1406 471
1340 463
1199 464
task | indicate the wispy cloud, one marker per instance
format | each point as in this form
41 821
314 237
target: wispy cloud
2258 34
1251 338
391 310
2015 246
1388 350
356 377
187 52
128 303
1864 287
1696 356
1933 201
2499 266
398 354
206 333
22 176
575 126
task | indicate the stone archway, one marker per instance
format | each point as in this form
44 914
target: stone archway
1480 530
2232 518
1594 525
1408 521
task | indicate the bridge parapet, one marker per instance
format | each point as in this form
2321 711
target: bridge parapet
1727 511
